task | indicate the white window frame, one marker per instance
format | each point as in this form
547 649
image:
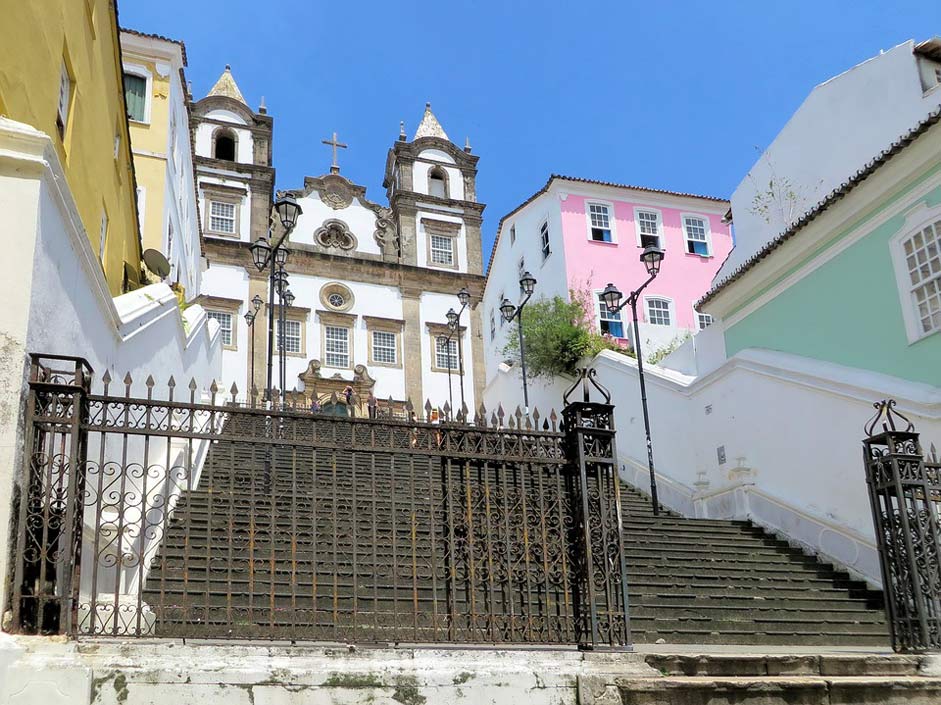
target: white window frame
545 242
697 314
288 323
210 200
671 309
914 223
141 72
395 347
660 233
452 345
601 307
64 108
212 313
432 249
493 324
611 220
349 347
102 235
686 238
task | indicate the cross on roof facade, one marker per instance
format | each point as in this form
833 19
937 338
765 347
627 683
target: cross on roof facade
335 167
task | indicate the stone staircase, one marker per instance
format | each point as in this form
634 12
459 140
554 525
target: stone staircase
706 581
690 580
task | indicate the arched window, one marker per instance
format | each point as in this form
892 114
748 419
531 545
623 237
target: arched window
224 142
438 182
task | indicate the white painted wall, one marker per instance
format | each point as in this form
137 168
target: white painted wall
842 125
358 218
232 283
422 167
245 207
59 303
244 152
434 308
503 276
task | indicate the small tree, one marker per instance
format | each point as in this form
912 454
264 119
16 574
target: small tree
558 334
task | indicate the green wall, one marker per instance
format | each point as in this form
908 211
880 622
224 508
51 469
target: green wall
848 311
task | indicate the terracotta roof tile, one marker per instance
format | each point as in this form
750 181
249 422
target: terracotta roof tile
158 36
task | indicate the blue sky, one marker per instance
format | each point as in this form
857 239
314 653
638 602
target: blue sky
673 95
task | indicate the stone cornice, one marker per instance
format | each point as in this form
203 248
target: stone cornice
411 199
305 261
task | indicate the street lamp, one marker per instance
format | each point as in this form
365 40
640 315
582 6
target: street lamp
273 254
509 311
250 320
454 325
652 258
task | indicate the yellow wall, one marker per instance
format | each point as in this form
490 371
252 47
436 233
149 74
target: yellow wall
151 137
35 36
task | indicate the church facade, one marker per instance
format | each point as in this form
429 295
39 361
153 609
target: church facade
372 283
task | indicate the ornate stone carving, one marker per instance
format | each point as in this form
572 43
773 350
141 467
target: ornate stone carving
335 233
386 234
336 191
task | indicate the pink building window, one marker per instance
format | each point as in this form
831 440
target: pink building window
600 217
648 228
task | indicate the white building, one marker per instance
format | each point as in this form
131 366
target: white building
831 136
372 285
159 125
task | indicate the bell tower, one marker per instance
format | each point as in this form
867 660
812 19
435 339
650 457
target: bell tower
432 189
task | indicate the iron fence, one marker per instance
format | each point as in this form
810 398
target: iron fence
905 495
181 514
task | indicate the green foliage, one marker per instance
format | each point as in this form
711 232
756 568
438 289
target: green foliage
657 355
559 334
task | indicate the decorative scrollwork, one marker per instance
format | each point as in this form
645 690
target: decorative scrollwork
887 415
586 378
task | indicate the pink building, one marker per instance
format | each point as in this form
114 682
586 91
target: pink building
581 234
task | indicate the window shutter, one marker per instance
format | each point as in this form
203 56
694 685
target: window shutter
135 89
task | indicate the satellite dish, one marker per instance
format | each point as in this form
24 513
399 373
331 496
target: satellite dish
156 263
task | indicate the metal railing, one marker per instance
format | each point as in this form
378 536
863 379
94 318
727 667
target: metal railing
189 517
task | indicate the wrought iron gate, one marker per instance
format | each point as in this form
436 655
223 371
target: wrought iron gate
905 494
200 517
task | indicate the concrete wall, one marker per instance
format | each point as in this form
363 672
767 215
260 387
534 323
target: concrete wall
59 302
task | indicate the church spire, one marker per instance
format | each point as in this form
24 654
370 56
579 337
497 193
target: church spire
429 126
227 87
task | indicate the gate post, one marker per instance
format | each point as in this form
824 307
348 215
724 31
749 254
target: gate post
45 575
905 497
600 598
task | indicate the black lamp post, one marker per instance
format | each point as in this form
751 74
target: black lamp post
250 320
274 255
454 325
651 257
287 300
509 311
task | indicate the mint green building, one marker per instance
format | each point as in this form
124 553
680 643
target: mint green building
857 280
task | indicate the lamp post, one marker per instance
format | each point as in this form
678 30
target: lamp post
287 300
509 311
454 325
273 255
651 257
250 320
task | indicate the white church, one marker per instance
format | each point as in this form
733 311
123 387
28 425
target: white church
372 284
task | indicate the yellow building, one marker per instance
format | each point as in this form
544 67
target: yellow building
61 73
157 101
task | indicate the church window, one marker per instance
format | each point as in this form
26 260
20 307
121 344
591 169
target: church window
600 217
292 336
446 353
438 182
696 230
224 319
609 323
544 240
336 297
921 279
135 97
224 142
648 228
337 346
658 312
222 217
384 349
442 250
